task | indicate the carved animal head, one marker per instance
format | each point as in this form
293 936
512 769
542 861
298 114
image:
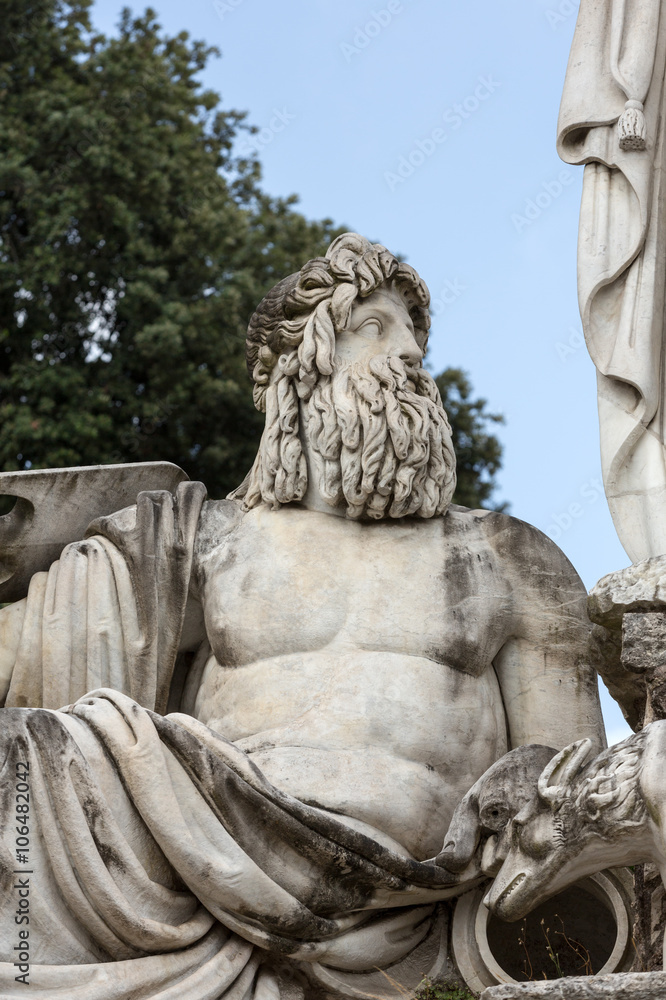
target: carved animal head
541 847
574 804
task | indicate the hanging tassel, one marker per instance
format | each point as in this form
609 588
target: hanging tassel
631 127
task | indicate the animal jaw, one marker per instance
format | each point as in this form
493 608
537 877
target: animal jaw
500 904
524 882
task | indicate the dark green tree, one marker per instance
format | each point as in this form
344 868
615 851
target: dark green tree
478 451
134 245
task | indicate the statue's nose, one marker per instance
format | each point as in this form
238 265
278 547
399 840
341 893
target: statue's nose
504 838
405 346
489 861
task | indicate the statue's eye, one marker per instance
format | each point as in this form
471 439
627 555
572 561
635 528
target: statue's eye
494 817
370 328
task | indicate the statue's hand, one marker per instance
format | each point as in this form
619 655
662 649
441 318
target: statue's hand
463 835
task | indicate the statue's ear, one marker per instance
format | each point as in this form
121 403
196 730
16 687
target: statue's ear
554 785
462 836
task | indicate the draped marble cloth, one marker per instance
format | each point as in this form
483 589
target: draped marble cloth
619 54
164 865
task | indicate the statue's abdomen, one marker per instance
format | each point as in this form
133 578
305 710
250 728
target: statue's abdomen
392 740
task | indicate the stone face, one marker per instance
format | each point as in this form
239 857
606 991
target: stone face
344 654
491 803
623 986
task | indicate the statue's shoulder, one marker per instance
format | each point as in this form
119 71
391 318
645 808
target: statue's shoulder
518 548
491 524
217 521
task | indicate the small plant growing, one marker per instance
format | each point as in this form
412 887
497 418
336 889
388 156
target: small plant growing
574 949
428 990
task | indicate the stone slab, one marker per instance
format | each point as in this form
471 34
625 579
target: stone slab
55 506
622 986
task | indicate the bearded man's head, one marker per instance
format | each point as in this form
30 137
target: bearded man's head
372 423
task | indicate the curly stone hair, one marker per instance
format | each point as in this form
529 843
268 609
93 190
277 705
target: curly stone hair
605 796
302 314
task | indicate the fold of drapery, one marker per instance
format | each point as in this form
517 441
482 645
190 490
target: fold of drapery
109 612
220 965
619 54
148 833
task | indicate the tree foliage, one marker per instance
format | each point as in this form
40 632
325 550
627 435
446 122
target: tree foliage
478 451
134 245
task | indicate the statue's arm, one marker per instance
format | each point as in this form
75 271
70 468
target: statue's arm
545 669
11 626
550 695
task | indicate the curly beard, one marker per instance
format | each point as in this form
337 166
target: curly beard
377 446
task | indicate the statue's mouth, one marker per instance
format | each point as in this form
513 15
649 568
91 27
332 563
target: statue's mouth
518 880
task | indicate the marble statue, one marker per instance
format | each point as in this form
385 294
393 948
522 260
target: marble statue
243 726
611 120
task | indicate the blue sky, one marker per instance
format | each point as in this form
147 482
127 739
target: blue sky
429 125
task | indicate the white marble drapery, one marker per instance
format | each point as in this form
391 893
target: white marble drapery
154 836
156 870
618 58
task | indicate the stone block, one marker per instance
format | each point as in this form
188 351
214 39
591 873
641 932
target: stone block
644 652
623 986
641 587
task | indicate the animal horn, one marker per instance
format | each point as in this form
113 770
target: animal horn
569 760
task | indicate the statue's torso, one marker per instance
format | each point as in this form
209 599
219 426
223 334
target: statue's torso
354 662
